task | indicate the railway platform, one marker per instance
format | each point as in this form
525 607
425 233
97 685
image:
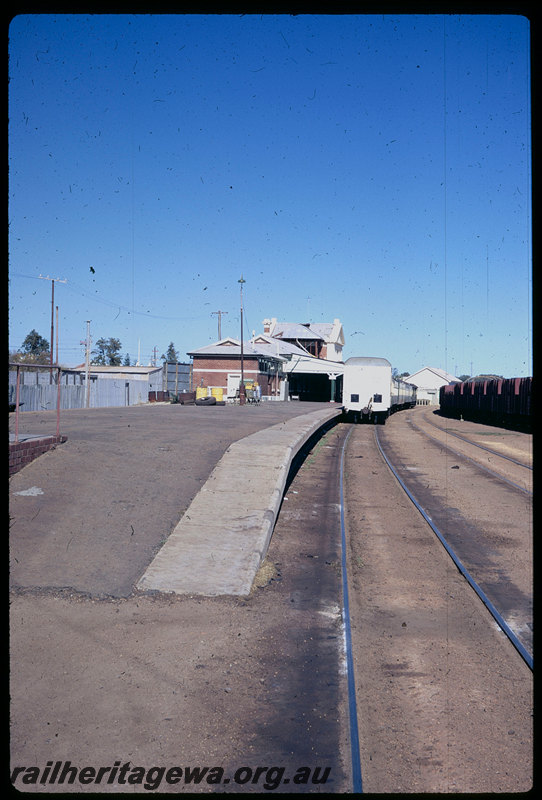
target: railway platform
167 498
221 540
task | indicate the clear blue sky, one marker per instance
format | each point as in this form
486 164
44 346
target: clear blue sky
372 168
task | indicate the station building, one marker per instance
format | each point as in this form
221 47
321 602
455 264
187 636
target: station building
287 361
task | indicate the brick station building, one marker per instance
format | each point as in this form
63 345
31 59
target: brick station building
287 359
219 366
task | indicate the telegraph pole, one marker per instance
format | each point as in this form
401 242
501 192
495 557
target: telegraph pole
87 361
47 278
57 326
242 395
219 314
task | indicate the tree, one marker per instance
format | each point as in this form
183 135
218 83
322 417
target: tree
126 362
171 353
35 345
464 377
35 350
107 353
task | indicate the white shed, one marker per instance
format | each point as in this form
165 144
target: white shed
428 380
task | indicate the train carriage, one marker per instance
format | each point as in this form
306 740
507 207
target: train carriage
371 393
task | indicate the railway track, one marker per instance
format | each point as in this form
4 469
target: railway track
521 474
483 567
425 677
523 648
525 462
434 666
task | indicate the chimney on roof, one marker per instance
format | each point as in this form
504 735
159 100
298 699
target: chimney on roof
266 325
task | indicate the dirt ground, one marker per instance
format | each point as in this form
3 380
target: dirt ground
160 680
107 499
444 703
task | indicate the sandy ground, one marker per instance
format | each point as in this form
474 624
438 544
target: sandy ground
444 703
166 681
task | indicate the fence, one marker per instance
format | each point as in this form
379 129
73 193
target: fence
176 377
33 392
17 396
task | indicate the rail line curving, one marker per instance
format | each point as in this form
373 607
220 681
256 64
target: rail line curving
476 444
352 705
472 460
497 616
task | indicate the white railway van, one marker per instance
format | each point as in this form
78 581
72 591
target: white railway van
370 393
367 388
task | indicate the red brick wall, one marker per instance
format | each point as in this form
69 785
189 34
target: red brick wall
225 365
22 453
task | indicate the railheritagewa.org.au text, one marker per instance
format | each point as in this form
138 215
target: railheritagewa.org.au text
152 778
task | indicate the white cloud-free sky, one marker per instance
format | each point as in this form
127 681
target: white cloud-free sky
372 168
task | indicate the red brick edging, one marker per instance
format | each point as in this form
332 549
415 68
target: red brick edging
22 453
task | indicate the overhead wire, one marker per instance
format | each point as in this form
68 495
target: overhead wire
112 304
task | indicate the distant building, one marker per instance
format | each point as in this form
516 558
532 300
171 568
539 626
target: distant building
318 339
218 366
287 360
153 375
428 380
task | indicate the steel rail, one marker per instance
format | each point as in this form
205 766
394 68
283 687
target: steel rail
352 705
475 444
499 619
472 460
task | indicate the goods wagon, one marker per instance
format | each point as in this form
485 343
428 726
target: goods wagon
370 393
504 402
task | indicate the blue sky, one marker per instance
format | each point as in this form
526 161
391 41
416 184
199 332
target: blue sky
372 168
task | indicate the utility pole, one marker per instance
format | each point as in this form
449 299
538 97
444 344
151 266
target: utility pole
219 313
242 394
56 359
47 278
87 362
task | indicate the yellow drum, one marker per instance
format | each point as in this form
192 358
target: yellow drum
201 391
218 393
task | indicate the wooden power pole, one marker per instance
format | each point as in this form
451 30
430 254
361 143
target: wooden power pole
219 314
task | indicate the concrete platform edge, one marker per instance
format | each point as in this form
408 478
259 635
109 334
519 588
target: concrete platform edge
215 553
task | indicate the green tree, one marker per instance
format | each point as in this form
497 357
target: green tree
126 362
107 353
35 345
171 353
35 350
